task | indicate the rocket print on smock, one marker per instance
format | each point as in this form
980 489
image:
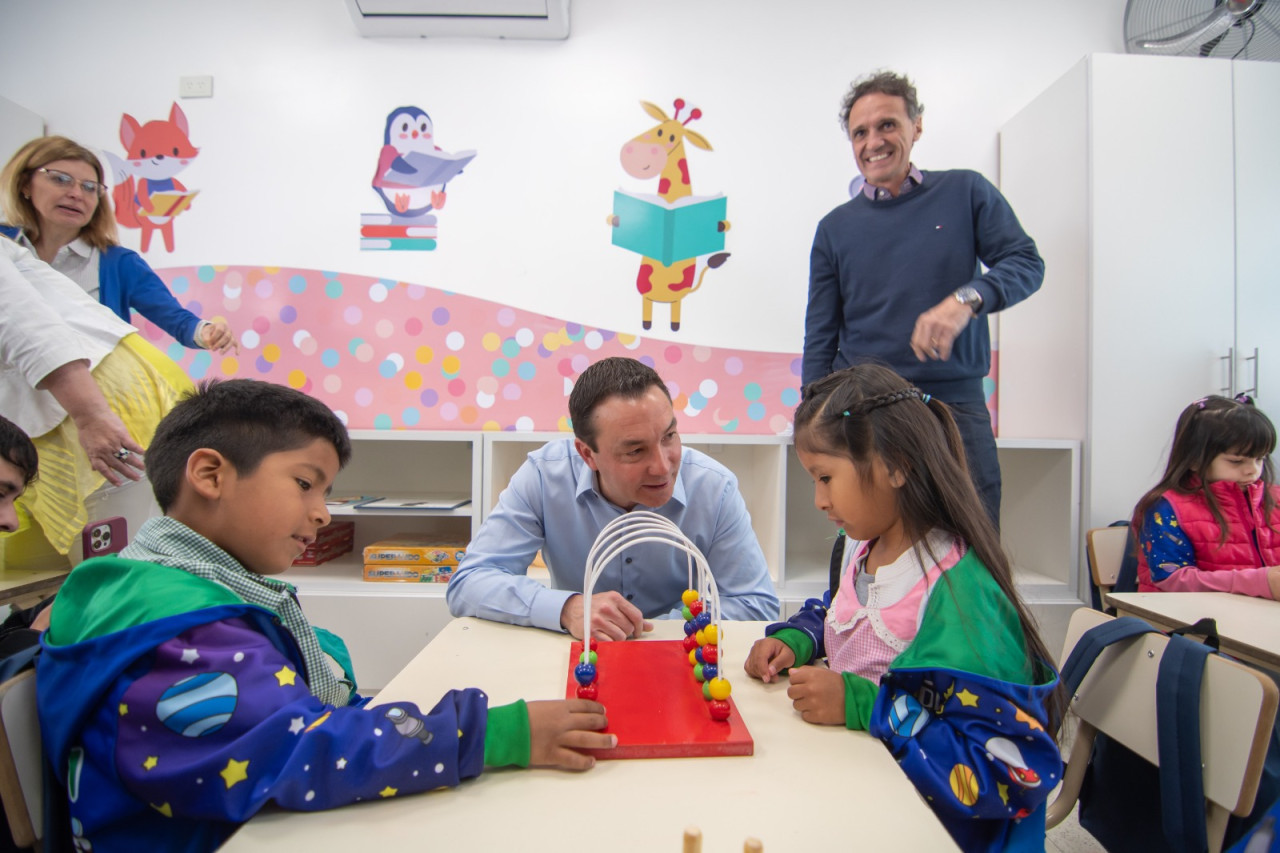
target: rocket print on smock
410 181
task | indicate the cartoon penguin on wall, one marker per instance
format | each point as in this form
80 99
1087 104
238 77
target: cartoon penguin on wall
412 170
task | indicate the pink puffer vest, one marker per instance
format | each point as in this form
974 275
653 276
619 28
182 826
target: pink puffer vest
1243 513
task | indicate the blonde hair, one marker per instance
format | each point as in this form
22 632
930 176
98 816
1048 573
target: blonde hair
18 210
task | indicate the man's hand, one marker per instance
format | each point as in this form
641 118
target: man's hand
612 617
767 658
818 694
560 727
936 329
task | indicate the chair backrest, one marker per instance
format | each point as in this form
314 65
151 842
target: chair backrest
21 766
1118 697
1106 552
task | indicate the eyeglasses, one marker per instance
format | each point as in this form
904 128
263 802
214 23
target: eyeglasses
63 181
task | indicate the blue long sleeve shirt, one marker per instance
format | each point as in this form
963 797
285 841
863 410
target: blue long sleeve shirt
876 266
553 504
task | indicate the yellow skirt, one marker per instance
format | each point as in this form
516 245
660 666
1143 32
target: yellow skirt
141 385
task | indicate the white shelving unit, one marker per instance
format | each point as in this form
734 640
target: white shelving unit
386 624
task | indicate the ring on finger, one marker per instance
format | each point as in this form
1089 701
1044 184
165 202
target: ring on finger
123 453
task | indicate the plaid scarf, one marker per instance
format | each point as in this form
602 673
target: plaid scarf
168 542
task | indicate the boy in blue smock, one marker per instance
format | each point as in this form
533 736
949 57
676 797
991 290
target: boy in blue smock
181 688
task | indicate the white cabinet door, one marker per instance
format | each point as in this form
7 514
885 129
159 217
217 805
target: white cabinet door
1162 228
1257 217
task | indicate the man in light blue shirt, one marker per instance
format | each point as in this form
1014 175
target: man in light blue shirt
626 453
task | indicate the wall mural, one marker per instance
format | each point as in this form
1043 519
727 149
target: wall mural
393 355
410 180
671 230
147 194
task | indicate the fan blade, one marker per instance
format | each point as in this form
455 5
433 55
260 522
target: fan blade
1215 24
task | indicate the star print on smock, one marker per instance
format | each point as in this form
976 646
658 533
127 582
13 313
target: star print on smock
151 762
286 676
163 808
190 655
296 725
388 792
234 772
967 699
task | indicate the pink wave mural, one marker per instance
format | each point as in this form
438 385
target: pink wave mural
392 355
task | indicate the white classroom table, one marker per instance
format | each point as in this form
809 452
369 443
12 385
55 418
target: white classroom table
1248 627
806 788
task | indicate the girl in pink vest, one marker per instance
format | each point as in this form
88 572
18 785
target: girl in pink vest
1212 524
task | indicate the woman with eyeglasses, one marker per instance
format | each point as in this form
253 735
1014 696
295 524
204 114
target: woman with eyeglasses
74 376
55 203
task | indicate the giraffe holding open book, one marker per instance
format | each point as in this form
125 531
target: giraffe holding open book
676 233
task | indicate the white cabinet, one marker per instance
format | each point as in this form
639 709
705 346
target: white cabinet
1147 185
385 624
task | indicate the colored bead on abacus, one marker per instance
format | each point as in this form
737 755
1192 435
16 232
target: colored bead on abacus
687 613
699 672
690 628
690 643
696 607
718 688
710 635
706 690
588 691
709 671
585 673
588 657
702 620
693 656
689 596
710 654
719 709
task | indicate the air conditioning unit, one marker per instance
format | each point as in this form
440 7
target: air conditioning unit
512 19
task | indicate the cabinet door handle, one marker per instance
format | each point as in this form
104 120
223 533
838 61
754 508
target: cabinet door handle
1230 359
1253 392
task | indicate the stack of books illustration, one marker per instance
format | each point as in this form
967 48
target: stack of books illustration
408 186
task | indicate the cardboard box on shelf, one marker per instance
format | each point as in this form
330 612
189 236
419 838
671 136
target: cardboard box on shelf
415 549
402 573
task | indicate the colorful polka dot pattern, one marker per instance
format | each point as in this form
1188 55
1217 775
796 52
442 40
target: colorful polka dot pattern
392 355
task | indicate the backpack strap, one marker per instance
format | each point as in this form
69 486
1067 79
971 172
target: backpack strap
1093 641
1178 735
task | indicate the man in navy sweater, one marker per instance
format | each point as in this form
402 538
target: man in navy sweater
896 273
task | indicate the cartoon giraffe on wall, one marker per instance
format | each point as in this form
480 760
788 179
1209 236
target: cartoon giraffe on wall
659 153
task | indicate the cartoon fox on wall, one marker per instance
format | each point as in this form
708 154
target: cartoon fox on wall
147 195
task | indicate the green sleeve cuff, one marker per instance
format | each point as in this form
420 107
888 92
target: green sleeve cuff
506 736
859 699
799 643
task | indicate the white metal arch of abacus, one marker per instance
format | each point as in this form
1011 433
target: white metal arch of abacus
638 527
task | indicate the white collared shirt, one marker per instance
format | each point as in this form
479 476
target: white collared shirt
77 260
46 321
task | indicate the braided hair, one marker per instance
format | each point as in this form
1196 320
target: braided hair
868 412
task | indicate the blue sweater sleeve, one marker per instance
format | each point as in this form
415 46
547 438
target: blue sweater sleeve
220 723
126 282
1014 267
824 314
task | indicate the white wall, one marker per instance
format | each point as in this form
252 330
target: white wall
290 139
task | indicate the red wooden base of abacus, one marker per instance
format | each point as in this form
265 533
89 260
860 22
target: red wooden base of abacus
655 705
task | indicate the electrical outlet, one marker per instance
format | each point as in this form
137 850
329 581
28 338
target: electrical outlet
195 87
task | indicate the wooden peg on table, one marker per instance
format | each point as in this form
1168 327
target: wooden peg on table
692 840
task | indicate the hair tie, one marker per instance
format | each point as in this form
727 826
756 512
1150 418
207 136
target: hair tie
925 398
1201 403
1244 399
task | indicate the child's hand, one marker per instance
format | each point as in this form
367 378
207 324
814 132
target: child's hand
1273 580
818 694
768 657
560 727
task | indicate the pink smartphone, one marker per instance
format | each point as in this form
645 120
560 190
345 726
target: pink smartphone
104 537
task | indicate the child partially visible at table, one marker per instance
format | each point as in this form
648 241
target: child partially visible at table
1212 523
181 689
928 644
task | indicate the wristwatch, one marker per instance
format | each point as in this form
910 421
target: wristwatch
969 295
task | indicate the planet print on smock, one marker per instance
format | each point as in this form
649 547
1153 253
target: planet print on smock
199 705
